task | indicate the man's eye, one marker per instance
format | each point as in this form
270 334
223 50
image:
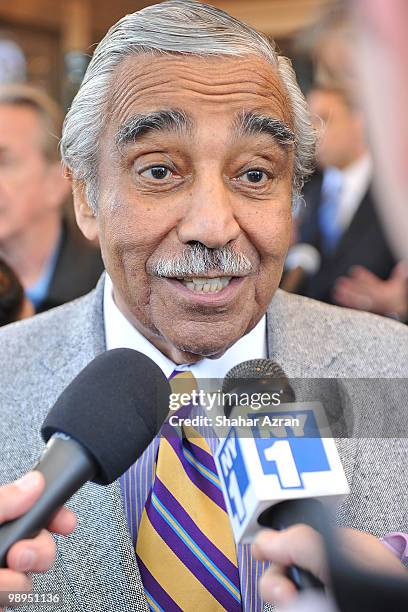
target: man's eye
254 176
156 172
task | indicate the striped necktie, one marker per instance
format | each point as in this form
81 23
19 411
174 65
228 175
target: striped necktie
185 549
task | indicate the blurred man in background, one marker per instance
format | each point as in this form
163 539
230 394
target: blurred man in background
381 42
380 56
54 263
340 218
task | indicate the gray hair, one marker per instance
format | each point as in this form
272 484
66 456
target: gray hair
176 26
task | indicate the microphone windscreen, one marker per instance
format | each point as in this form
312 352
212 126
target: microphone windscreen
255 376
114 408
254 368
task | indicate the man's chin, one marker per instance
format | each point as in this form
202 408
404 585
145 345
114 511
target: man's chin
188 342
205 352
191 351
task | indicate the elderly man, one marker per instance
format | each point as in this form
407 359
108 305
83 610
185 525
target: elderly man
186 143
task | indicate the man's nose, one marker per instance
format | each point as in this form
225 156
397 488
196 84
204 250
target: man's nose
209 216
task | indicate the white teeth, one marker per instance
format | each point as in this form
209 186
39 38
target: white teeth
206 285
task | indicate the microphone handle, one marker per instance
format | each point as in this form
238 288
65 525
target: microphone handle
284 515
66 466
303 579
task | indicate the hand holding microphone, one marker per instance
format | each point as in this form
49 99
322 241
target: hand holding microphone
34 555
270 474
303 546
97 429
278 478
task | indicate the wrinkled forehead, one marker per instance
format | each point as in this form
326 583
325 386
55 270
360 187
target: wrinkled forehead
202 87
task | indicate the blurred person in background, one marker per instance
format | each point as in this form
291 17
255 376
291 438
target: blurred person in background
380 53
52 260
340 217
14 305
381 64
344 57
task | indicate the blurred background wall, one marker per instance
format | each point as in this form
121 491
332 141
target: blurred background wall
49 42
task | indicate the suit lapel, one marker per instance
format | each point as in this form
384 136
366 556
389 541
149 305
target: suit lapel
77 268
350 240
98 559
301 365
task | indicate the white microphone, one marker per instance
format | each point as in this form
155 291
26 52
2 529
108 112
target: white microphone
280 453
301 261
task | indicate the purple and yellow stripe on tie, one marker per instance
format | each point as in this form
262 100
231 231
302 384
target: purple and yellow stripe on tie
202 461
158 563
152 586
153 605
187 469
193 556
142 474
186 553
191 534
208 515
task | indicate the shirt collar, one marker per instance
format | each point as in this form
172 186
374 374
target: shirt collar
360 170
352 184
119 332
355 176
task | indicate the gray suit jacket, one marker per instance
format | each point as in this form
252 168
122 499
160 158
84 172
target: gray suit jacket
96 569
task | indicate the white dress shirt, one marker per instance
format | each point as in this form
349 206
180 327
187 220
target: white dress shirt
356 179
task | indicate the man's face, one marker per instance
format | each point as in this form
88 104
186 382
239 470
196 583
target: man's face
24 188
205 180
338 127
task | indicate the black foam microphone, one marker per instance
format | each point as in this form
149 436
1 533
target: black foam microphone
98 427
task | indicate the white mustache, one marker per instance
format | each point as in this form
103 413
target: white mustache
198 260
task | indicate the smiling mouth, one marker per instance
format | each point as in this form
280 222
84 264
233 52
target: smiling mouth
206 285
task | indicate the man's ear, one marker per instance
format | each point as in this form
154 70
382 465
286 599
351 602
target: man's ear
85 216
58 188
